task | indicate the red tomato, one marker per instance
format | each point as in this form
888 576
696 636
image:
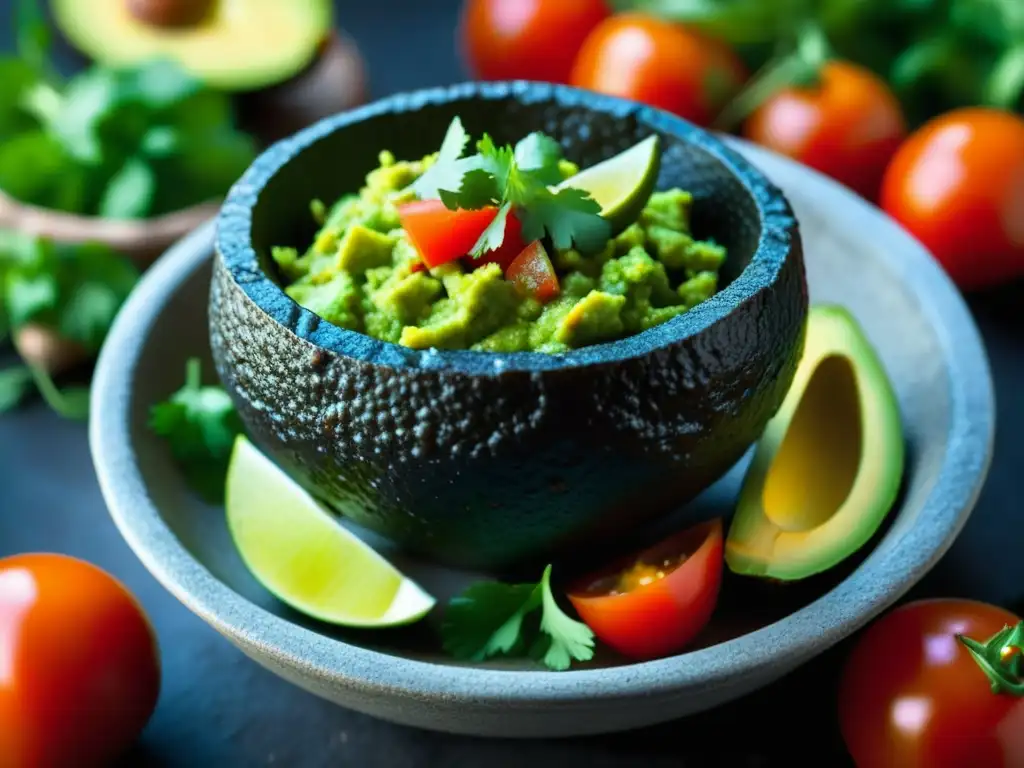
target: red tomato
660 63
957 185
526 39
441 235
511 246
847 127
79 665
533 273
912 696
655 603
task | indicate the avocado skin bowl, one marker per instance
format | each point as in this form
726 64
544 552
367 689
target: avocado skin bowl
502 461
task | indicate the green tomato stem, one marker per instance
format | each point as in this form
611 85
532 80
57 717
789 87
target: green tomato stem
1000 659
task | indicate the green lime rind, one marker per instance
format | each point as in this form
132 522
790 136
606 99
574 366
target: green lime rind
300 554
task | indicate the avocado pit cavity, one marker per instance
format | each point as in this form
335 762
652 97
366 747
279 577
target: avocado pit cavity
171 14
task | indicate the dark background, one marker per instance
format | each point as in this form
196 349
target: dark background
219 709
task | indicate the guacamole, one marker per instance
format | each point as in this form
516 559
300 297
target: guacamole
362 272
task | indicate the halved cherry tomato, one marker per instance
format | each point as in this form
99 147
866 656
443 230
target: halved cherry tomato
660 63
913 696
526 39
533 273
441 235
655 603
957 185
848 126
79 665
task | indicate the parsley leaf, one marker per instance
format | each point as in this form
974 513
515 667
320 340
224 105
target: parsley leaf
445 173
199 424
489 619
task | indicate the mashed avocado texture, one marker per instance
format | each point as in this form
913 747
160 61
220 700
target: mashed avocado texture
363 273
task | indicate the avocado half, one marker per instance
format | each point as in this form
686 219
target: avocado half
829 466
240 45
501 461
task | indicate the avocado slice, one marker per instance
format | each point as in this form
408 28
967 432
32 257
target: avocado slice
238 46
828 467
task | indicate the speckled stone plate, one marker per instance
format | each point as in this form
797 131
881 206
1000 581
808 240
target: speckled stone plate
855 256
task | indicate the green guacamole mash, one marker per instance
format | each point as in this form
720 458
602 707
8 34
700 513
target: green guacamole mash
359 274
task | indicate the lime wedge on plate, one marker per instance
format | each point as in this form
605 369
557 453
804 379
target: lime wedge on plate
621 184
296 549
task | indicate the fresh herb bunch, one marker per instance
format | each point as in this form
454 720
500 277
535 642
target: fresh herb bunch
74 290
519 180
200 425
117 143
936 54
495 619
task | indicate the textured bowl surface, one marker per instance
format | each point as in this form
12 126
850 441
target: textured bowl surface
855 256
496 460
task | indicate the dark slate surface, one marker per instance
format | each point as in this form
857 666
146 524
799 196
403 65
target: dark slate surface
219 709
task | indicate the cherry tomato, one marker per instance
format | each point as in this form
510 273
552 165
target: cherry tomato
912 696
442 235
957 185
655 603
526 39
848 126
533 273
79 664
659 63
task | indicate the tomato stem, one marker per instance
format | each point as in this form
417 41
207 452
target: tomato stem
1001 659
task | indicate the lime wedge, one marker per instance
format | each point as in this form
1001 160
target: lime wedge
621 184
298 552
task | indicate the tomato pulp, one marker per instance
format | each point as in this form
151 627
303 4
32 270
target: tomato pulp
913 696
79 667
655 603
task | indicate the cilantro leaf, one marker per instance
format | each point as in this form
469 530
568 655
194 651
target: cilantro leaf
33 34
95 281
541 154
569 216
479 189
570 639
199 424
489 619
492 237
129 193
445 173
15 383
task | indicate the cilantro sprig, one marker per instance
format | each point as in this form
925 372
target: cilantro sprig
519 180
72 290
495 619
200 424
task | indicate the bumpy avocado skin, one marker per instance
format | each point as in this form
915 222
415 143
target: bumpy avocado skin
496 461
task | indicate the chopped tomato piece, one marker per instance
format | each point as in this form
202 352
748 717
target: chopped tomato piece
419 266
441 235
533 273
511 246
654 603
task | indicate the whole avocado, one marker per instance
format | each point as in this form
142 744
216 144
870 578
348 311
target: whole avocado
491 460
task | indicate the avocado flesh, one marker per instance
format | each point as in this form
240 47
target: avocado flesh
828 467
240 46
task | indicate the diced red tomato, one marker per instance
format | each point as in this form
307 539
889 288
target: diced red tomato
533 273
654 603
511 246
418 266
441 235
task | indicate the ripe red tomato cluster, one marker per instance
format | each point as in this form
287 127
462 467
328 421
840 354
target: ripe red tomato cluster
956 183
